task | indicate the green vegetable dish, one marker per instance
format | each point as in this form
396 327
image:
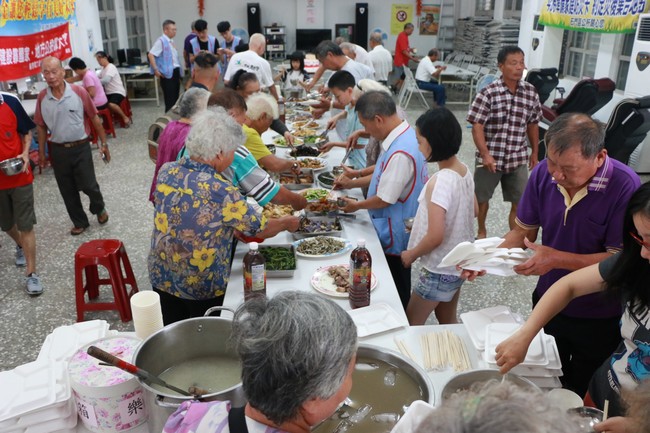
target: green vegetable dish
278 258
316 194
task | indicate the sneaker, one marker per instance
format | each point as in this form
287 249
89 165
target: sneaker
20 257
34 287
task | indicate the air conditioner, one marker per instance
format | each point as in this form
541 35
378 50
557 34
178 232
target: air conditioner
638 74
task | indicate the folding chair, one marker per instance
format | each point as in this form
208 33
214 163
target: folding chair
408 87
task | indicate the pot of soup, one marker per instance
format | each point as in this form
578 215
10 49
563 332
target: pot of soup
190 353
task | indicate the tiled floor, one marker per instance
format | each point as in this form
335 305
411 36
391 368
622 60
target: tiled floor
26 321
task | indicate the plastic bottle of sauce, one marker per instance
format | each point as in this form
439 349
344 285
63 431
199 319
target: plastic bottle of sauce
360 275
254 273
281 109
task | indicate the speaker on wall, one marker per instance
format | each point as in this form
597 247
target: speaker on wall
254 18
361 25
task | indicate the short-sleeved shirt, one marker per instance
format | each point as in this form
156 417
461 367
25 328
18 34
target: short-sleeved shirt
591 223
157 50
358 70
255 144
505 118
382 61
630 363
90 79
114 84
65 117
401 44
398 173
196 214
455 194
425 70
187 47
357 157
251 62
362 56
14 122
252 181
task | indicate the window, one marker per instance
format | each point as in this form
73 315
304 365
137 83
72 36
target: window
108 25
135 28
581 52
511 8
624 60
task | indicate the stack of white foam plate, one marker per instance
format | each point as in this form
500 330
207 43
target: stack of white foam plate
542 363
36 397
490 326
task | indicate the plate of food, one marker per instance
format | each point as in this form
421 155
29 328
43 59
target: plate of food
272 210
315 194
312 162
321 247
334 280
308 123
304 132
326 179
282 142
303 151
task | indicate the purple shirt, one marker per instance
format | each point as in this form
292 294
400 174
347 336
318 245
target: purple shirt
187 47
170 142
90 80
592 225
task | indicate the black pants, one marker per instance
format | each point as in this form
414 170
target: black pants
584 344
402 278
175 309
171 87
74 171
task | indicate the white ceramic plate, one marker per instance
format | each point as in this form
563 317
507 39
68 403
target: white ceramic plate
376 318
280 141
346 247
324 283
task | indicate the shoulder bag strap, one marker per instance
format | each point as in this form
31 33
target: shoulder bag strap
237 420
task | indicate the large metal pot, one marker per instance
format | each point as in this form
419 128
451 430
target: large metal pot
464 381
177 343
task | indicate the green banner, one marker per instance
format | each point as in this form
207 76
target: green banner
602 16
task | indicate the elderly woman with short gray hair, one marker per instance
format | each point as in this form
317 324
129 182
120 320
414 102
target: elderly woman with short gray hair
196 214
172 139
295 370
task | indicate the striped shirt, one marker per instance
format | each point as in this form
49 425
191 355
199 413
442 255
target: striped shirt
505 117
246 174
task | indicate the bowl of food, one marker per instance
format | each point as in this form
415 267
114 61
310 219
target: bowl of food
271 148
304 151
12 166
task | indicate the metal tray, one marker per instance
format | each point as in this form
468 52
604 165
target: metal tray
336 233
284 273
299 186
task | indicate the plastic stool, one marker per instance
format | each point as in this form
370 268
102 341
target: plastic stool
111 254
125 105
107 121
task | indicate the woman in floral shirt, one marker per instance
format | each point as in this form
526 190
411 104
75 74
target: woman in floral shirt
196 214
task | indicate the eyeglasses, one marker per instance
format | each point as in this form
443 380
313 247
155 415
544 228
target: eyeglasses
640 241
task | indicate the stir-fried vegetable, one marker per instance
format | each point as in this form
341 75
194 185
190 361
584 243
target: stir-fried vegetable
320 245
316 194
278 258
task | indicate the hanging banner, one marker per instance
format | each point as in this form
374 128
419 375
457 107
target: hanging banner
400 15
20 56
24 17
429 19
602 16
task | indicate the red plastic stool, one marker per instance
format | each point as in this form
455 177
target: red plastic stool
107 121
111 254
125 105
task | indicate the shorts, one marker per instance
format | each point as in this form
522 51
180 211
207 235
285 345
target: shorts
437 287
115 98
17 208
513 184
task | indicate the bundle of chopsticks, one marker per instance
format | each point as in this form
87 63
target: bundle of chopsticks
440 350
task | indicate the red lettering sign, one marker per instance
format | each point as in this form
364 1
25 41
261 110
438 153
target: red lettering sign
20 56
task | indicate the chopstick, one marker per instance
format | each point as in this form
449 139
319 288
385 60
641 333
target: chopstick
605 410
401 345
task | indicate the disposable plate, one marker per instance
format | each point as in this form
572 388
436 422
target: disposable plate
322 282
495 333
476 321
346 247
376 318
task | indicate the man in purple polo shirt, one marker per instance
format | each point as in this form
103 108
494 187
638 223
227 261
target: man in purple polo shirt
577 196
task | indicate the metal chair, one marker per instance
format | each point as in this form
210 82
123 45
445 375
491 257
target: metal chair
408 88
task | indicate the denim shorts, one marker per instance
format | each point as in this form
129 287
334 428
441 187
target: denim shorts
437 287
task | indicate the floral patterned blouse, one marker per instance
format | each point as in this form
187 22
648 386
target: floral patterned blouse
196 213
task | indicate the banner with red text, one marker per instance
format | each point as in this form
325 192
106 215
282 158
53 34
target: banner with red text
20 56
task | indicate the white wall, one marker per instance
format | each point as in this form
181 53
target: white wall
282 12
87 20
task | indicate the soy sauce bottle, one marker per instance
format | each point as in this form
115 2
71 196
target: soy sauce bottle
281 109
360 275
254 273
